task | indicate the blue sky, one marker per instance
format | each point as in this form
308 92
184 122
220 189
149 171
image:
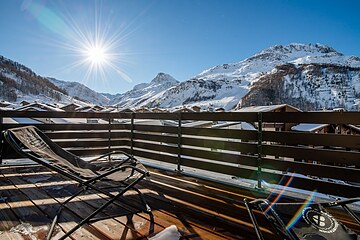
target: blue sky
179 37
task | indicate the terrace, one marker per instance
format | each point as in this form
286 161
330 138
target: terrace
199 175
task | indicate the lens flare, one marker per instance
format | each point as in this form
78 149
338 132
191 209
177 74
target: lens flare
298 214
278 197
96 50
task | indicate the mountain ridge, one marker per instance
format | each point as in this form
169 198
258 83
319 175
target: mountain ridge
308 76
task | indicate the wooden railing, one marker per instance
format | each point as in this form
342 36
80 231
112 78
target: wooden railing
327 163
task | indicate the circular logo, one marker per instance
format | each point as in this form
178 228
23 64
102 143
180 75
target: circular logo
320 220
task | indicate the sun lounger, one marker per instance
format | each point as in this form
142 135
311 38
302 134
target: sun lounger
99 174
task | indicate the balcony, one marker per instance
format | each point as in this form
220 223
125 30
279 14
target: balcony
199 174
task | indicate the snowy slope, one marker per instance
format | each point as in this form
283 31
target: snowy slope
144 91
311 86
206 94
19 83
80 91
268 59
236 83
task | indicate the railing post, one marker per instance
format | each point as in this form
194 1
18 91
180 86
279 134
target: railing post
179 170
109 140
259 150
1 136
132 134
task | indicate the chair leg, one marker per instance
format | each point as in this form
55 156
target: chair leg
253 219
58 212
141 196
98 210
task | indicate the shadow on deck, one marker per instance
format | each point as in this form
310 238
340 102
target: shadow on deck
199 209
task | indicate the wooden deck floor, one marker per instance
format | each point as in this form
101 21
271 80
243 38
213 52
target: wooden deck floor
30 195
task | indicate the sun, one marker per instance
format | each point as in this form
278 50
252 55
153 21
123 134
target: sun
96 55
97 48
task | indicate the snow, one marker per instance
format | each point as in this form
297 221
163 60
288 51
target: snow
308 127
21 120
169 233
225 85
75 89
26 229
235 125
261 108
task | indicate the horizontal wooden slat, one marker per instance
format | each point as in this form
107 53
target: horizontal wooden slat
48 114
87 134
95 151
221 116
156 147
219 168
92 143
221 133
206 132
220 156
316 139
158 129
165 116
341 173
221 145
343 158
155 156
312 185
156 138
291 117
312 117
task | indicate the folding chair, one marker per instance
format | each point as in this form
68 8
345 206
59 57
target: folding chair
296 221
97 174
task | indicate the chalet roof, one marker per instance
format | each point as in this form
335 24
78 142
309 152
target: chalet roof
71 104
36 106
269 108
240 125
202 124
308 127
184 109
4 104
21 120
124 110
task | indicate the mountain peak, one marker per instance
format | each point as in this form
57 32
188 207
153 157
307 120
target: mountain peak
163 77
300 47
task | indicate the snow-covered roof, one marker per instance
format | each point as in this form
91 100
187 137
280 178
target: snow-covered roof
237 125
264 108
39 107
198 124
21 120
308 127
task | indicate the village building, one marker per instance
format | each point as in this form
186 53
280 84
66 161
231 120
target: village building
272 108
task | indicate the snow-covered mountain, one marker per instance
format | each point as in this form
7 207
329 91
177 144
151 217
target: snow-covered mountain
310 86
309 76
141 93
81 92
19 83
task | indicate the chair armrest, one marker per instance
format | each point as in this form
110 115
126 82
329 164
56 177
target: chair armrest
112 153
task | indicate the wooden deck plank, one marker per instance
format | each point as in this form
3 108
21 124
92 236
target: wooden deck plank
32 221
109 228
48 207
8 220
198 208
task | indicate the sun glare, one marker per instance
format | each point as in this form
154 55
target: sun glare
96 55
94 45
